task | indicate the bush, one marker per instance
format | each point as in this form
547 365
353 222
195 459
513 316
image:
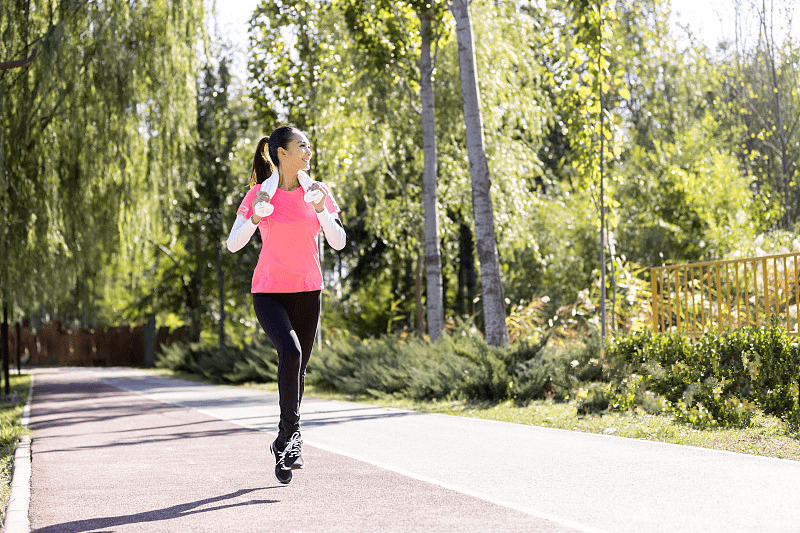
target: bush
559 369
593 400
717 380
400 365
257 362
459 365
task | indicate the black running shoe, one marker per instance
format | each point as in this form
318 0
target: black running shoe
282 473
293 453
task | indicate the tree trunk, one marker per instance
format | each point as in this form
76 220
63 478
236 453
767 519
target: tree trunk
5 348
6 65
18 328
221 278
418 297
194 296
493 300
433 261
466 270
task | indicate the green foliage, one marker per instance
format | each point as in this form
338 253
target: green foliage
717 380
407 366
256 362
460 365
192 263
11 431
593 400
774 371
557 370
763 101
94 136
120 168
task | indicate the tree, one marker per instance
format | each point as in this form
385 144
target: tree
189 276
6 65
219 126
397 34
355 102
433 260
493 299
91 144
765 99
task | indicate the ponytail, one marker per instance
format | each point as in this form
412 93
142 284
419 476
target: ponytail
266 159
262 165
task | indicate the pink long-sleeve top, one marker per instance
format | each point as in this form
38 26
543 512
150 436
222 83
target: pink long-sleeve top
289 258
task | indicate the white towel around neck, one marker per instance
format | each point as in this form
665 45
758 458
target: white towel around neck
270 185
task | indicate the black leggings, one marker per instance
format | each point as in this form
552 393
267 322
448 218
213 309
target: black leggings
290 320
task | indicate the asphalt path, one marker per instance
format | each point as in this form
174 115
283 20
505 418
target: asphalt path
124 450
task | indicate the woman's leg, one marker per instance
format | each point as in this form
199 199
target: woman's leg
304 311
273 316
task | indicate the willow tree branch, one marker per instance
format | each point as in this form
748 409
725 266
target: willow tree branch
7 65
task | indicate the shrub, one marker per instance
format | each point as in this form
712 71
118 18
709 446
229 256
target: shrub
592 400
460 365
717 380
400 365
256 362
773 369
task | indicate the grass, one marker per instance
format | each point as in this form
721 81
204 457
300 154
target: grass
11 408
768 436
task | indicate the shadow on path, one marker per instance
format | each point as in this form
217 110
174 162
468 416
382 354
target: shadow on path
80 402
168 513
148 439
320 415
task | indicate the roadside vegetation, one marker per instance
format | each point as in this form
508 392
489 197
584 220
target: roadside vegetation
734 391
11 431
767 436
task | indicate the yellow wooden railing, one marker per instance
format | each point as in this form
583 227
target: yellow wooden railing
697 297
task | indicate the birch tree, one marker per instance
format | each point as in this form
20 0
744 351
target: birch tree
485 237
433 259
397 34
766 98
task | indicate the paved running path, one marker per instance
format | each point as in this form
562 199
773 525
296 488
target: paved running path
122 450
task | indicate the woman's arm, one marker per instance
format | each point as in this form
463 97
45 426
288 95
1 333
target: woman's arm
333 229
243 228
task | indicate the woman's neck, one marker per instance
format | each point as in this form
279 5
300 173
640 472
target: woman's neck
288 181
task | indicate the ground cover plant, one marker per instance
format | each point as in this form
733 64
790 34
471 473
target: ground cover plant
733 390
11 408
719 379
255 362
460 365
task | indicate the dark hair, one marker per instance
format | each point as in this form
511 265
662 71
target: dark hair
265 160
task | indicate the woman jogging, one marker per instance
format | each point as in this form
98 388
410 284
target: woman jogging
289 209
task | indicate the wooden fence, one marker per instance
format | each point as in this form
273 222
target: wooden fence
54 344
697 297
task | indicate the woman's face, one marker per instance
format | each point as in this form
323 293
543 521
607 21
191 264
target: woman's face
297 154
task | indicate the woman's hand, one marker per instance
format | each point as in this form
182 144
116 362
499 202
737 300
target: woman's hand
319 206
261 196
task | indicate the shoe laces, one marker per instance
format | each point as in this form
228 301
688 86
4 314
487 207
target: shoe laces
294 446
